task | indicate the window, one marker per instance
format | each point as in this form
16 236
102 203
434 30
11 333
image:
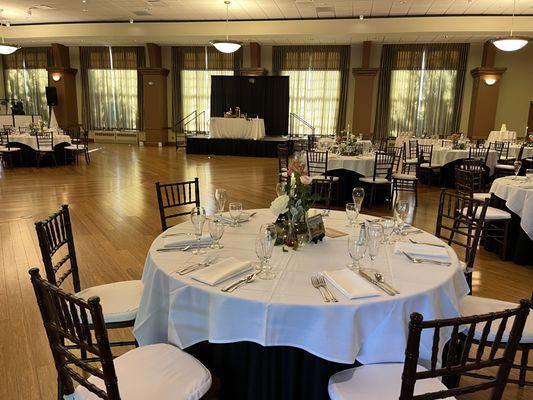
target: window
196 92
315 96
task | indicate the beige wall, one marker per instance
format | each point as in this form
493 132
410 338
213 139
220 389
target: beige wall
516 89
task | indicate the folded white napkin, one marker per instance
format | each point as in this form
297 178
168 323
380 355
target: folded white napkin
221 271
350 284
226 218
186 240
422 250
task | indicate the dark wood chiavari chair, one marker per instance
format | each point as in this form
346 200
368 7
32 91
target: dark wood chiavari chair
479 153
323 190
317 167
407 162
311 142
68 318
283 162
506 167
410 381
80 145
45 146
381 176
58 252
413 149
172 197
402 182
426 166
469 182
7 151
460 221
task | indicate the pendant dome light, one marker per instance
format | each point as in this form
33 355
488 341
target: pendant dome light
511 43
226 46
6 48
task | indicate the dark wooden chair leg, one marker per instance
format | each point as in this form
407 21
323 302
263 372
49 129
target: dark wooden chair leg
523 366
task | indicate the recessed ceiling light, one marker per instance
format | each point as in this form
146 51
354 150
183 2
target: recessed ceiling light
131 20
361 17
84 10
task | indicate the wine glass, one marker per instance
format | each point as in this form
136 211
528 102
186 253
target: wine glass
216 230
198 220
351 213
529 174
235 212
388 224
358 195
220 199
281 188
401 209
356 249
517 165
267 240
259 251
374 238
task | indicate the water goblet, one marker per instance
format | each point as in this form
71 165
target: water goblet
235 212
198 219
267 240
352 212
281 188
216 230
358 195
388 224
517 165
401 210
374 238
356 249
220 199
529 174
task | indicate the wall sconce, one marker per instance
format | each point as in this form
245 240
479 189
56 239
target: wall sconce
56 76
490 81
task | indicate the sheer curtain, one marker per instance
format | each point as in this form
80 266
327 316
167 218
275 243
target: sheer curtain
26 78
318 83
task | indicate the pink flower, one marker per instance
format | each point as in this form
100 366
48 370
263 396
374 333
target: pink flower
306 180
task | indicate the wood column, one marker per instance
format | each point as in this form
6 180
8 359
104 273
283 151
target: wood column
255 68
485 90
154 81
66 111
363 94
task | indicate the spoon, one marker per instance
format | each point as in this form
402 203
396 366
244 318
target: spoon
381 280
239 283
174 249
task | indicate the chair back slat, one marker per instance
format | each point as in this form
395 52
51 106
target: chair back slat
383 165
435 348
54 234
468 343
61 313
317 162
479 153
498 338
283 157
455 362
172 197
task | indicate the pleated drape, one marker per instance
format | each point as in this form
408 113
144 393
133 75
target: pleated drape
421 88
198 58
111 90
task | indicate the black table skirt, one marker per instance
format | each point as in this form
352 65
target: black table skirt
28 157
347 181
519 245
247 370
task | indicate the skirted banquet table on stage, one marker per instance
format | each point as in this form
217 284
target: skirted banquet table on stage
237 128
277 339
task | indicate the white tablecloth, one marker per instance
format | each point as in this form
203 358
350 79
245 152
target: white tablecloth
518 196
237 128
31 141
514 150
443 156
363 165
288 311
501 135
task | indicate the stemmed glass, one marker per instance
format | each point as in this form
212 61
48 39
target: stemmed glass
356 249
517 165
401 209
198 219
374 238
358 195
352 212
388 224
235 212
220 199
529 174
264 246
216 230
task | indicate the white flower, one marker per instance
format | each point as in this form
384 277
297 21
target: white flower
280 205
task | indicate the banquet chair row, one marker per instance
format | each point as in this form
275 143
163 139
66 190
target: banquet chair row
402 180
172 197
159 371
411 380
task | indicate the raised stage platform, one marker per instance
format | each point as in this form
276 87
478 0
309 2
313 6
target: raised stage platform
267 147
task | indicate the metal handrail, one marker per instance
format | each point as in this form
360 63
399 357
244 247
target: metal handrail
294 116
184 118
195 120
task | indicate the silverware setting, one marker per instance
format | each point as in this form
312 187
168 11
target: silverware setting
322 283
197 266
418 260
411 232
376 283
165 249
176 234
428 244
381 279
317 286
237 284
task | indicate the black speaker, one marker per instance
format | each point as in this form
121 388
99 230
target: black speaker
51 96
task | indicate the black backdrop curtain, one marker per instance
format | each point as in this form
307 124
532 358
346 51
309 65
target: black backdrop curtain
265 96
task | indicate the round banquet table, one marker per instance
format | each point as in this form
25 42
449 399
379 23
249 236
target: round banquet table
278 336
28 146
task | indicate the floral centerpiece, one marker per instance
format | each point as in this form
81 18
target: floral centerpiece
458 141
291 207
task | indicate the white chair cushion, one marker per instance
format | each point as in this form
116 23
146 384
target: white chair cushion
411 161
10 150
493 214
507 158
120 300
504 166
376 382
158 372
405 177
378 181
481 196
474 305
332 178
73 147
45 149
427 165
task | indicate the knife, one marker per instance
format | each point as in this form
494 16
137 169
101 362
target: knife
427 244
376 283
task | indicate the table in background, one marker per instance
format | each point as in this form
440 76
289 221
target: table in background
515 149
497 136
278 336
28 146
516 197
237 128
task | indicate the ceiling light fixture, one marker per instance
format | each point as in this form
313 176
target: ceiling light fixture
511 43
6 49
226 46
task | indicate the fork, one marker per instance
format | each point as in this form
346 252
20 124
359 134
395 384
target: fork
417 260
197 266
316 285
322 283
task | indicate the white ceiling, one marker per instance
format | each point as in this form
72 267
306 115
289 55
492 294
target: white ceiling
18 11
